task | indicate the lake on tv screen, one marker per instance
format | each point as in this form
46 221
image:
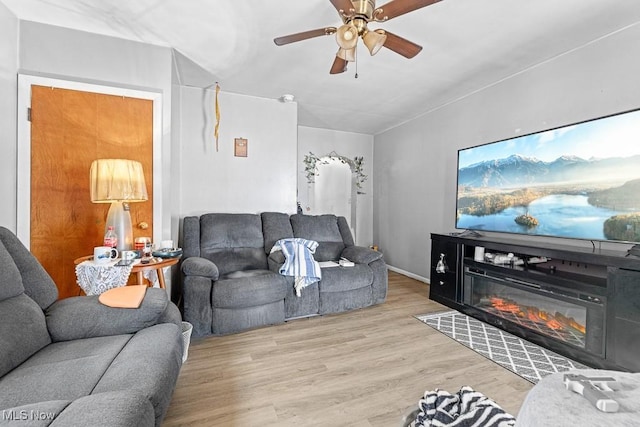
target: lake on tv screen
559 215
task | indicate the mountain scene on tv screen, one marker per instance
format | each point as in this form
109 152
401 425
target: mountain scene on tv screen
596 199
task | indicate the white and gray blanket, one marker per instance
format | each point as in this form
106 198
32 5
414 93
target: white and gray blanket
466 408
299 261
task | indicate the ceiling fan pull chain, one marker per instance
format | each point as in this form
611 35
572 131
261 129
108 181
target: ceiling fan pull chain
356 54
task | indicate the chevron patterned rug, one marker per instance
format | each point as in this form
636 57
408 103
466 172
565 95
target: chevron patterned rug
526 359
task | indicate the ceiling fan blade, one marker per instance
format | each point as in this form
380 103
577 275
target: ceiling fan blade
342 5
400 7
292 38
401 46
339 66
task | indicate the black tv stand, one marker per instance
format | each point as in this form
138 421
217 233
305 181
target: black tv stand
604 281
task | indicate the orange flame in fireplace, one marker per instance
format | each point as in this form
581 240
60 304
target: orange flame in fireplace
502 305
554 324
555 321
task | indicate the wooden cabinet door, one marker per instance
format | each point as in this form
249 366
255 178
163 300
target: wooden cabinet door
623 331
70 129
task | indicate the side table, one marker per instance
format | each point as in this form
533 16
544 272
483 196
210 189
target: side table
155 264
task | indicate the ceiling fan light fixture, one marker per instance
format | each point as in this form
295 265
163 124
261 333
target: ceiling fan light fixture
347 36
374 40
348 55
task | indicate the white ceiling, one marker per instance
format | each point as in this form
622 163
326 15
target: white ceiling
467 46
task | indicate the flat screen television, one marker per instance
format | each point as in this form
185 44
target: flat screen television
579 181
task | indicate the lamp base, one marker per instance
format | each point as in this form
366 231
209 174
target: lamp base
120 218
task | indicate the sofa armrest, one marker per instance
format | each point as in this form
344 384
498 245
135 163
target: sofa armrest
361 255
197 266
85 317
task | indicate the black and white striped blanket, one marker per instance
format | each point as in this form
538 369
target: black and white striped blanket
466 408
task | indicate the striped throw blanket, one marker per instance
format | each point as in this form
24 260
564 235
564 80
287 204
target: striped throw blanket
466 408
299 261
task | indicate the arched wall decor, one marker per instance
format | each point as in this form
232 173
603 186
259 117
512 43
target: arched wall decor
311 162
358 177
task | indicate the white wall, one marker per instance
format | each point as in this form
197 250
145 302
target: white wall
8 102
415 164
322 142
217 181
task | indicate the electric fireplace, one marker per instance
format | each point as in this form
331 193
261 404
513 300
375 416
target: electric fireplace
568 318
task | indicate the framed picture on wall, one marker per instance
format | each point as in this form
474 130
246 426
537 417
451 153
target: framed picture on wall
240 147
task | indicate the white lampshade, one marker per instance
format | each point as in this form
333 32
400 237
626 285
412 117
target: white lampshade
347 54
347 36
117 180
374 40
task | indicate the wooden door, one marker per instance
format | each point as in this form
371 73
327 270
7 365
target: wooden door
70 129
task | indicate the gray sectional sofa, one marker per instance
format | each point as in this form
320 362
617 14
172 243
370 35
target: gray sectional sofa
231 280
76 362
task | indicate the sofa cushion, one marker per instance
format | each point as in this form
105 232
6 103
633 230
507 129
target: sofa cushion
324 230
149 364
232 241
37 283
275 226
237 259
248 289
10 278
61 371
218 231
23 332
340 279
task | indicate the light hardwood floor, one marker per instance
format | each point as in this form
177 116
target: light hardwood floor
362 368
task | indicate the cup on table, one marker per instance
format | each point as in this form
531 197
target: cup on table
140 242
166 244
143 244
104 254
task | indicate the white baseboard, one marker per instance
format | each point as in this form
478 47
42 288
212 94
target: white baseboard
408 274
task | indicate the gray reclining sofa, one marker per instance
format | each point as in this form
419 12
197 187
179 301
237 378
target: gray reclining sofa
231 280
76 362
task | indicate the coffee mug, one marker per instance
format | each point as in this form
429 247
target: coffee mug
102 254
139 243
128 255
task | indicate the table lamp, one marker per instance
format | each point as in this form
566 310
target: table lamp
119 182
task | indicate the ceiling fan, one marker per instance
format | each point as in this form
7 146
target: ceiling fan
355 15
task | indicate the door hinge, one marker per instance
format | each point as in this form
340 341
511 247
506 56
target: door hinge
29 114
